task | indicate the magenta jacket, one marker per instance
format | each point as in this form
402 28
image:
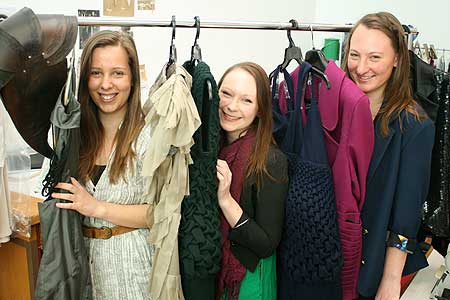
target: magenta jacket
349 138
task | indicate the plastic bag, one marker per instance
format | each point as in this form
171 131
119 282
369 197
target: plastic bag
20 176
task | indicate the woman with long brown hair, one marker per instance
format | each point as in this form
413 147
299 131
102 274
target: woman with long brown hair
252 174
377 60
110 190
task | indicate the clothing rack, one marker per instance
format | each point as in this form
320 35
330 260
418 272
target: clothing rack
294 26
141 22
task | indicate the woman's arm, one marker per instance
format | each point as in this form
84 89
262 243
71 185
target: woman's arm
262 233
125 215
392 274
411 191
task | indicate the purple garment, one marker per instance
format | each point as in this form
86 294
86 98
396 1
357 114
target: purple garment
349 139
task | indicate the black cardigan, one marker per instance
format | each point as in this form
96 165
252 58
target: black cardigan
259 237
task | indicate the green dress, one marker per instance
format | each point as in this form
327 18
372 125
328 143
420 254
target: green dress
261 284
199 232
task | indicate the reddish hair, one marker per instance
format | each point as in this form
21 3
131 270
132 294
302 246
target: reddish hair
263 121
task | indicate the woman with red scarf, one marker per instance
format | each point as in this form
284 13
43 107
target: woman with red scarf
252 174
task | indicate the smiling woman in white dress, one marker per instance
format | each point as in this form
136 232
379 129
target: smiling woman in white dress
110 190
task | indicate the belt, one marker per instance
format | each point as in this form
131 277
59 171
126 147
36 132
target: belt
105 232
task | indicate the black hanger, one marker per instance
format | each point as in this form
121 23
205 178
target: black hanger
433 53
317 72
295 53
173 49
196 55
292 52
196 52
315 56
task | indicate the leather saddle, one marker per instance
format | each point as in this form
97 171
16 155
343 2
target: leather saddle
33 70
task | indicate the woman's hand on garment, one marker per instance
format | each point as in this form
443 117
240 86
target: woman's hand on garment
224 176
81 200
132 215
389 289
230 208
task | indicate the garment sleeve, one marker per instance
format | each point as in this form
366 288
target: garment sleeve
361 143
413 181
262 233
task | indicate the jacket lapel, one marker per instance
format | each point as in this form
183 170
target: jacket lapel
381 144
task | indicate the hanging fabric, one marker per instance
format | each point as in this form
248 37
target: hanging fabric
5 228
173 118
64 267
33 70
436 217
349 138
424 84
199 232
310 258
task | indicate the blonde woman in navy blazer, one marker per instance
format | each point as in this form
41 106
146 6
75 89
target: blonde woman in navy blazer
377 60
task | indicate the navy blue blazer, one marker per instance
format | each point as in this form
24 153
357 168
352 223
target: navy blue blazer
397 186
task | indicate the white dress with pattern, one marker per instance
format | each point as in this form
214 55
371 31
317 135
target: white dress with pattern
121 266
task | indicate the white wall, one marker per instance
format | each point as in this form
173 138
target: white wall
430 18
224 47
220 48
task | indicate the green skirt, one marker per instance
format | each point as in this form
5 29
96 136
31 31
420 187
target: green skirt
260 284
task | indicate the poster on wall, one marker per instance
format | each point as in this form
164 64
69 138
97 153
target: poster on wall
146 4
84 32
118 8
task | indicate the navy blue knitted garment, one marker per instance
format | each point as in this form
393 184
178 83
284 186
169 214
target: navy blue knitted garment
309 255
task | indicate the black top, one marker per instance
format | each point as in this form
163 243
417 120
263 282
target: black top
97 173
436 214
264 208
424 85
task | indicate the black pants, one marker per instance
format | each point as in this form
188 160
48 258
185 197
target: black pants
366 298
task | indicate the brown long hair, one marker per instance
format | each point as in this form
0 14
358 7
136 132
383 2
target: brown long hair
397 94
92 131
263 121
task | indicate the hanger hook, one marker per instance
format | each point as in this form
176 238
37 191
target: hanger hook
312 36
197 24
174 26
294 25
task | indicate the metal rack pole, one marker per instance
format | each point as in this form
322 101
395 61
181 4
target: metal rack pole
141 22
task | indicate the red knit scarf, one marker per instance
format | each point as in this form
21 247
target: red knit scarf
237 156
